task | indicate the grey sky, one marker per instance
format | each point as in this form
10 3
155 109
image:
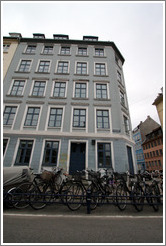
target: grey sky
135 27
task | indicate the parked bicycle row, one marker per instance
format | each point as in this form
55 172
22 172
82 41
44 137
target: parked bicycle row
88 187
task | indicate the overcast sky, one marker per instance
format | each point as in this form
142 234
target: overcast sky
135 27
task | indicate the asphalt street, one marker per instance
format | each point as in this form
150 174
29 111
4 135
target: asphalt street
106 224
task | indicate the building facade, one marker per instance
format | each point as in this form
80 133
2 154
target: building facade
139 136
153 150
65 104
158 102
9 47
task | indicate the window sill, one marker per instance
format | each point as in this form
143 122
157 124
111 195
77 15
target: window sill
61 73
21 72
76 74
25 53
95 75
49 54
42 72
8 95
95 56
31 96
64 54
102 99
57 97
82 55
80 98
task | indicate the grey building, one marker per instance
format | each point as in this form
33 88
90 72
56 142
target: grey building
65 104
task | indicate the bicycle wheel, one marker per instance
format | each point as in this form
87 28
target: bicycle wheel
74 196
110 194
64 190
39 196
138 198
121 197
21 194
155 197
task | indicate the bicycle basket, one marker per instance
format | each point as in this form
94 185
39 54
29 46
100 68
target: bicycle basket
46 175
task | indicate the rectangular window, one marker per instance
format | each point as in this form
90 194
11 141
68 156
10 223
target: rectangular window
79 118
104 155
82 51
6 47
48 49
122 98
38 88
81 68
119 77
103 119
101 91
9 114
32 116
80 90
55 118
5 142
100 69
126 124
99 52
62 67
65 50
30 49
59 89
17 88
24 66
50 153
24 152
44 66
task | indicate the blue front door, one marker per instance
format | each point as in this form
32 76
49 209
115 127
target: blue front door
77 157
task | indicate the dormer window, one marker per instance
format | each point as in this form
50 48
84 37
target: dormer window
38 35
60 36
90 38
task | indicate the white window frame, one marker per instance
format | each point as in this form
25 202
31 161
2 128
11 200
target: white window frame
25 114
39 63
80 82
83 47
130 131
112 154
106 71
82 129
10 88
94 54
48 115
108 89
80 74
56 68
27 47
17 69
16 150
11 105
63 46
98 130
42 53
42 154
53 85
33 83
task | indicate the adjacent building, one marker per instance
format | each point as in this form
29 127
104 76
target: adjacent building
9 47
158 102
153 150
65 104
139 136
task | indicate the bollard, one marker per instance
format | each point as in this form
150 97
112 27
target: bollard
88 201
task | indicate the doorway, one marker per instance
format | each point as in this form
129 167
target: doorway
77 157
130 160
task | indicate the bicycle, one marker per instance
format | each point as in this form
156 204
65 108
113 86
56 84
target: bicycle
129 189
